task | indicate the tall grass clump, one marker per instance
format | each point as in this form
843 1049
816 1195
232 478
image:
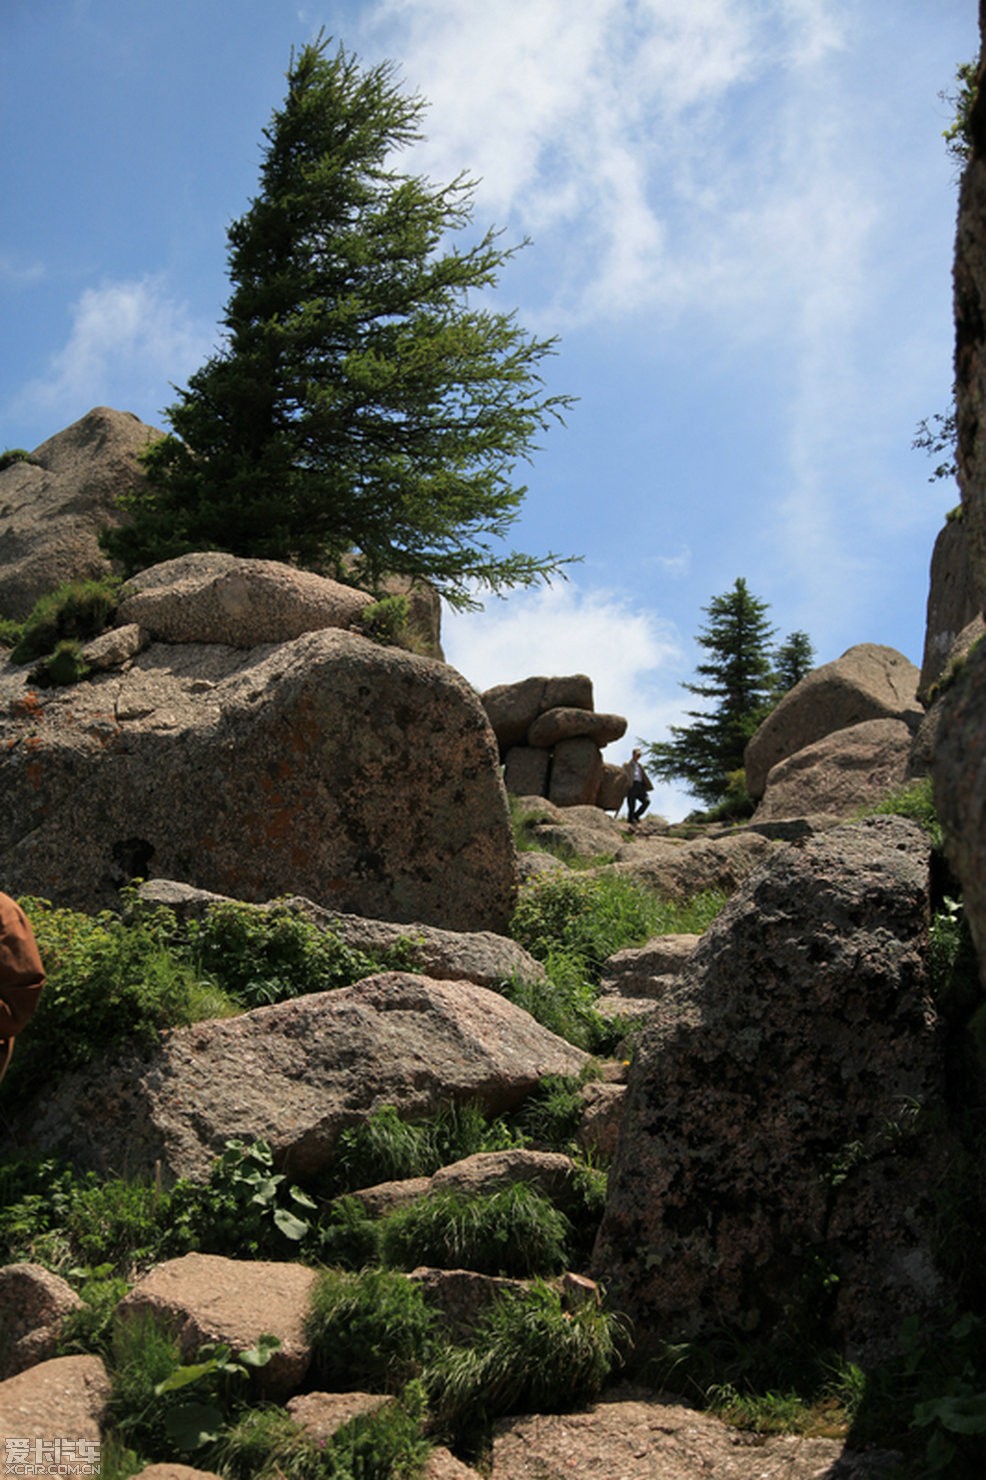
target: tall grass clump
78 610
387 1148
514 1231
530 1355
369 1330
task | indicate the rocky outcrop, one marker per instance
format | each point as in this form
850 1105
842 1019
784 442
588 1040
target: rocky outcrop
636 1436
842 773
953 602
867 682
55 504
296 1074
959 775
800 1045
67 1396
360 776
550 740
584 832
680 868
203 1298
33 1305
216 598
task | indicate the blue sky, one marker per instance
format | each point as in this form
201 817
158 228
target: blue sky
741 214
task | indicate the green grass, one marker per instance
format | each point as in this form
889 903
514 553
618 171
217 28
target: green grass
585 918
387 1148
530 1355
369 1330
513 1231
76 611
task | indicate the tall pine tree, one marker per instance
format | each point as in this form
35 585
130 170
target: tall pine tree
362 402
739 681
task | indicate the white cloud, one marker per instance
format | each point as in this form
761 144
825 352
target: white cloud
598 127
20 274
633 657
128 342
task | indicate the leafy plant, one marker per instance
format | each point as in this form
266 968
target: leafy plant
369 1330
384 1445
219 1374
347 1237
585 918
385 1147
79 610
513 1231
245 1207
90 1329
109 983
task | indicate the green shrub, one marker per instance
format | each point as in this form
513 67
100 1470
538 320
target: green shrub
513 1231
530 1355
260 956
585 918
553 1113
347 1237
11 632
369 1330
266 1445
11 455
62 667
109 983
245 1209
914 801
89 1330
564 1004
143 1355
385 621
80 609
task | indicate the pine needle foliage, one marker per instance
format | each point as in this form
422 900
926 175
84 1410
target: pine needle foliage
364 399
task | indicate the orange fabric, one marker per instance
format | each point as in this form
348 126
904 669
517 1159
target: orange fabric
21 974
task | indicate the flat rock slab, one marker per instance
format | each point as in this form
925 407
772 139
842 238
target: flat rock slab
296 1074
66 1396
205 1298
649 1439
322 1415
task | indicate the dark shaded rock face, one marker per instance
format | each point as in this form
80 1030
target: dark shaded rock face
768 1155
959 775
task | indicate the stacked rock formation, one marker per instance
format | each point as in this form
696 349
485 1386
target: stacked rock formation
551 740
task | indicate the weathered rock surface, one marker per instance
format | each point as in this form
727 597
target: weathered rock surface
477 956
322 1415
953 602
793 1046
647 971
360 776
525 770
602 1117
585 831
640 1437
169 1471
513 707
572 724
959 777
613 787
844 771
576 771
550 1172
204 1298
867 682
54 505
33 1305
297 1073
681 868
923 747
66 1396
223 599
461 1297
